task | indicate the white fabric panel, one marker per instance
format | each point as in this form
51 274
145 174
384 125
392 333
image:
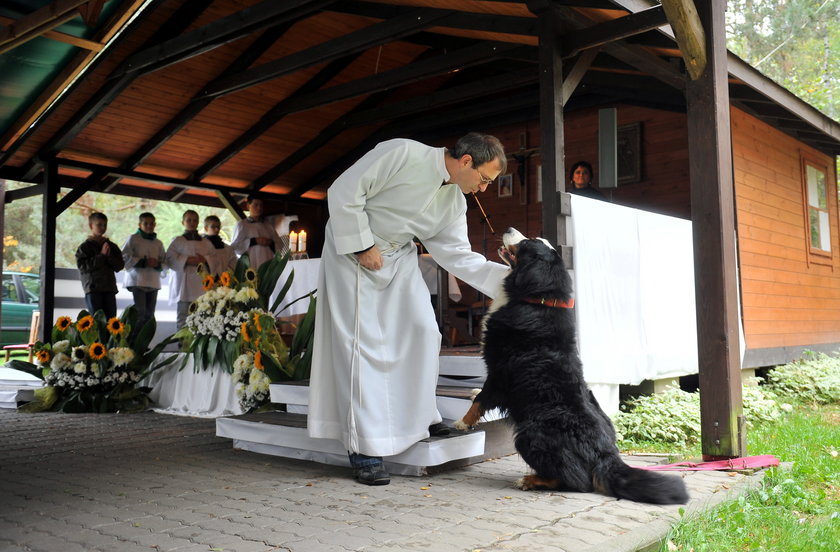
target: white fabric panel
205 394
634 278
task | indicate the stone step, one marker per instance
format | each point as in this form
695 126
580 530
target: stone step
284 434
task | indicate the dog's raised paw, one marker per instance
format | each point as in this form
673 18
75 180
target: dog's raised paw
460 425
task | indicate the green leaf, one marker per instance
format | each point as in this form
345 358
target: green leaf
27 367
268 274
284 291
243 264
273 368
305 331
45 398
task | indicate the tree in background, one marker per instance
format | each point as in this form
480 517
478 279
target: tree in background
22 236
794 42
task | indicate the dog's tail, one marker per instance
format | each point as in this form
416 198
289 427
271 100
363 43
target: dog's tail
615 478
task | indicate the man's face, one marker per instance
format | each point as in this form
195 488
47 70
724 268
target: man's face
212 228
476 179
98 227
255 208
190 222
147 225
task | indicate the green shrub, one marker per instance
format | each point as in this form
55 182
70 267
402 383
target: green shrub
814 379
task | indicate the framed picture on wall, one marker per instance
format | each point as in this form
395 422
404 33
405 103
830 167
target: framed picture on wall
506 185
629 153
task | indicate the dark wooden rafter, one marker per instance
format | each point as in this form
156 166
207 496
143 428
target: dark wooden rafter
633 24
486 22
269 13
576 74
422 123
23 193
248 57
274 115
49 218
230 204
105 95
404 108
356 41
688 31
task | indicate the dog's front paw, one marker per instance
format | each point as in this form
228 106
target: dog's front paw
522 484
474 393
461 425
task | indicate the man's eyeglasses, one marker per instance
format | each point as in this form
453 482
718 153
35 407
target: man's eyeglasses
484 179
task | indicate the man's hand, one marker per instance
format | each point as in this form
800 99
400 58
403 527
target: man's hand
370 259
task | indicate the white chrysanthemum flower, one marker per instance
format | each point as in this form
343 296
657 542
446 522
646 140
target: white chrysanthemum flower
60 361
121 356
61 346
80 368
95 369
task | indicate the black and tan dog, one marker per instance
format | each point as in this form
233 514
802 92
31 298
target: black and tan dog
534 374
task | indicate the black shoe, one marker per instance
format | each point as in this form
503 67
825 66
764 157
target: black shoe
373 475
438 430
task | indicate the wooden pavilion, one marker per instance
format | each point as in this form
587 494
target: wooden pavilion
207 101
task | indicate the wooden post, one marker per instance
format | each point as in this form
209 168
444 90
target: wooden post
713 218
49 215
551 115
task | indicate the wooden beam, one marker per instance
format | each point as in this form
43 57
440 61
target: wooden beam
623 27
715 261
577 73
552 141
682 15
356 41
231 204
84 43
90 11
273 115
179 121
49 217
32 25
23 193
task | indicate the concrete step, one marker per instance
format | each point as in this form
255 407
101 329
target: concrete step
284 434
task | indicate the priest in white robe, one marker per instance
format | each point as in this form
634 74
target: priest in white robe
377 344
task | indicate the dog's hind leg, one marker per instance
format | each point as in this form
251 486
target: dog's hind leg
470 419
533 481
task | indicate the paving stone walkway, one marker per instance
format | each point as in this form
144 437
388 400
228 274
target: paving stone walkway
140 482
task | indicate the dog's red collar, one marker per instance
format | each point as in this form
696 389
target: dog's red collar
556 303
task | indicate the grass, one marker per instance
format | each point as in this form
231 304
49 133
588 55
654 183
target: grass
794 509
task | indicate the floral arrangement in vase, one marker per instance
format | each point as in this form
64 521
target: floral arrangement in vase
94 364
232 326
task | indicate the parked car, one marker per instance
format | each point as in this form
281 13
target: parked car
20 298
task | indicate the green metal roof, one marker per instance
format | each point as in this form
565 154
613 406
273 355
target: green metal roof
28 69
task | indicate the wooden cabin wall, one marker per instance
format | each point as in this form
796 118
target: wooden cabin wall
790 299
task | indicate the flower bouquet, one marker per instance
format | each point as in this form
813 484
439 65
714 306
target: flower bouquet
91 365
233 326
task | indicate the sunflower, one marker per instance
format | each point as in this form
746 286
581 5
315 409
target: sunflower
97 351
243 329
42 356
115 327
63 323
251 275
85 323
225 279
258 363
208 283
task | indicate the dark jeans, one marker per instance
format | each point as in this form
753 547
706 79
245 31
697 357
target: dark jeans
362 461
104 301
144 302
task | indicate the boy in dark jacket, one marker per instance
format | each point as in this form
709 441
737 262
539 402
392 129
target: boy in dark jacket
98 259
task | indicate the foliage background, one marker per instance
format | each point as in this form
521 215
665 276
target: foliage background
22 236
793 42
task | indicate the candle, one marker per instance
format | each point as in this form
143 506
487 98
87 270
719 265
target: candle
302 241
293 241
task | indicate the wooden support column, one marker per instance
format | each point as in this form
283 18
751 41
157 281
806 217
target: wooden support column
713 218
48 227
551 115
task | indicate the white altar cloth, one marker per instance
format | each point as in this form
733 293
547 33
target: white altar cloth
204 394
305 280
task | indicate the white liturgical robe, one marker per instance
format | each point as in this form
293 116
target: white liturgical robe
377 345
248 229
186 285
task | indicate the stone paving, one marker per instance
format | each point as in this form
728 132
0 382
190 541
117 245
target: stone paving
140 482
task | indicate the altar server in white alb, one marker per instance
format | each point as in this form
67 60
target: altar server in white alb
256 237
183 256
223 257
375 362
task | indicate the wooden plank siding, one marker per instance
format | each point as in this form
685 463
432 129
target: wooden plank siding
789 298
